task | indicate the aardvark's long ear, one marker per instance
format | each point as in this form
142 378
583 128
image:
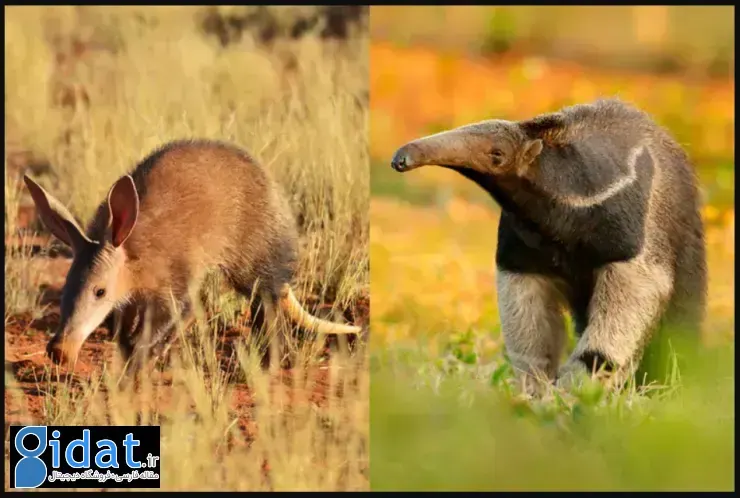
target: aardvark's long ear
123 205
56 217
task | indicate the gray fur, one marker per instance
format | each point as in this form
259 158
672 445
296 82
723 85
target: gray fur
598 200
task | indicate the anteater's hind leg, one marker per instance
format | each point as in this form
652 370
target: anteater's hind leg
626 305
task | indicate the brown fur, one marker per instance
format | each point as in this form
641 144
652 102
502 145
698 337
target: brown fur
190 208
203 205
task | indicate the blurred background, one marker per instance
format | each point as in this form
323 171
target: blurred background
434 68
437 67
433 240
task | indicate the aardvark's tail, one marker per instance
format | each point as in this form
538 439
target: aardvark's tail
300 316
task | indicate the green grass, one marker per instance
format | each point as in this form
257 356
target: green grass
454 422
445 413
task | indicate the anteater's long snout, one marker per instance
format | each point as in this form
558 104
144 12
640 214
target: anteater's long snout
410 156
448 148
402 159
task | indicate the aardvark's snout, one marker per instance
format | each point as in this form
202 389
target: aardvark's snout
62 352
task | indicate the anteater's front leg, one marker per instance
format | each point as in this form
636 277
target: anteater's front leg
628 300
532 323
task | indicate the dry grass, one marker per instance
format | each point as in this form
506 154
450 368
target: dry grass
22 294
148 77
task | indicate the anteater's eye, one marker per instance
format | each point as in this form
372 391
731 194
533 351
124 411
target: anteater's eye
99 293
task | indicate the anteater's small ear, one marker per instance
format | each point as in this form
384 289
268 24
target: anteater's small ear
56 217
532 149
123 205
539 125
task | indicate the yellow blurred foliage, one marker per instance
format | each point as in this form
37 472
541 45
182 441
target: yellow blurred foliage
432 271
442 257
421 88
